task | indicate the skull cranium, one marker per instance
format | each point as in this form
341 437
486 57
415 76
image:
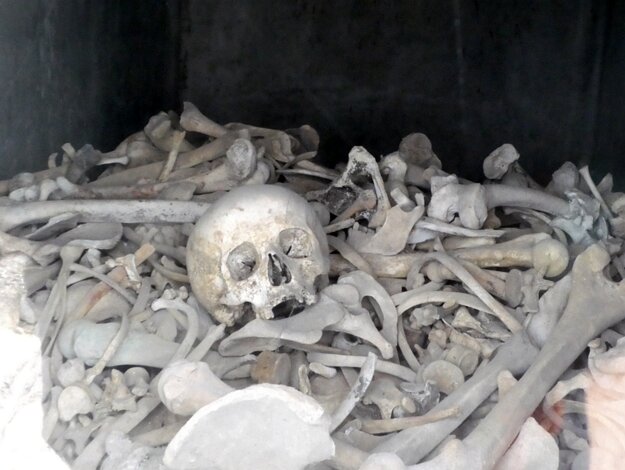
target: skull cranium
257 247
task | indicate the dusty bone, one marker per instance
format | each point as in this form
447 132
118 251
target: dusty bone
391 238
324 371
394 167
445 375
368 287
307 137
455 242
192 324
87 341
414 444
138 380
472 201
551 306
142 152
365 201
273 424
133 212
407 300
382 426
498 195
465 358
185 387
565 178
437 226
94 451
436 272
172 156
416 149
71 371
356 392
585 174
339 360
239 165
389 399
496 164
161 133
468 201
589 288
193 120
151 171
543 254
350 254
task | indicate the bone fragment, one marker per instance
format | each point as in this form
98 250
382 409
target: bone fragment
185 387
137 211
193 120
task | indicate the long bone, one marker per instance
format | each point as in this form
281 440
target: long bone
161 133
413 444
193 120
205 153
237 168
595 303
472 201
135 212
544 255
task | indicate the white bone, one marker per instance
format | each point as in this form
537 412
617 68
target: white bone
193 120
276 425
496 164
185 387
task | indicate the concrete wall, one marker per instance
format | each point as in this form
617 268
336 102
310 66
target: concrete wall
81 72
545 76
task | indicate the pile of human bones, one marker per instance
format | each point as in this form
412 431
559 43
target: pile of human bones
206 296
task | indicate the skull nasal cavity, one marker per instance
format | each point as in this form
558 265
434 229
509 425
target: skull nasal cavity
278 272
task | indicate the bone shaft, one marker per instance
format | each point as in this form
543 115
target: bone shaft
398 266
493 256
415 443
498 429
103 211
503 195
202 154
383 266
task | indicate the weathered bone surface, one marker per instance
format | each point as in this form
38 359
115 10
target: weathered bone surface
258 246
194 314
276 425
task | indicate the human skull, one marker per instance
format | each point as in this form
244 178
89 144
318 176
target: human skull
257 247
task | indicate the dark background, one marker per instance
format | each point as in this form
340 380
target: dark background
547 77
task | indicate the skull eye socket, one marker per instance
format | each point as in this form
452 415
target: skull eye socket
242 261
295 243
